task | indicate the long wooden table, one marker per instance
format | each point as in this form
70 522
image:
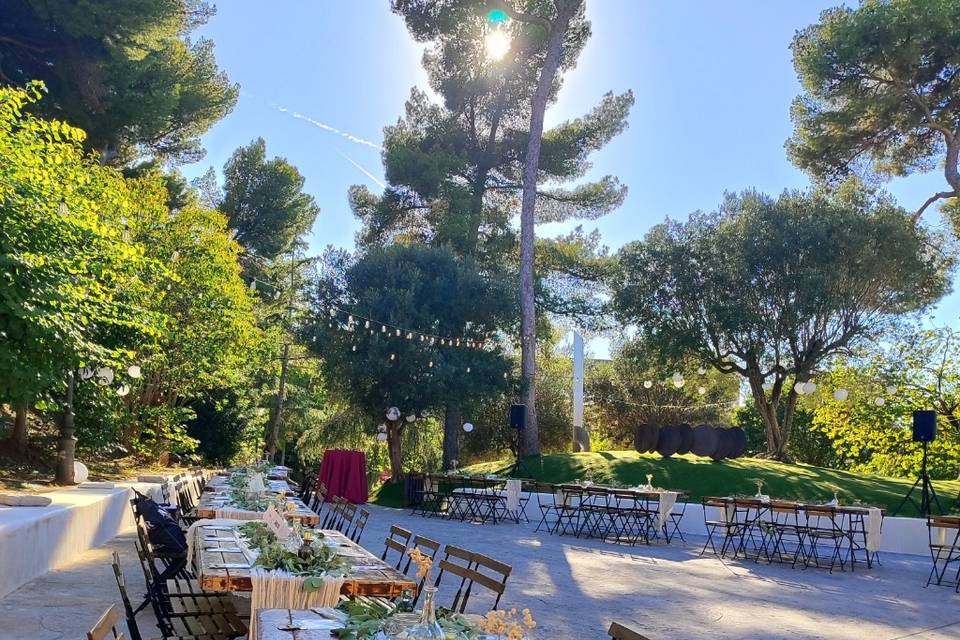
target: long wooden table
210 501
230 570
315 624
221 483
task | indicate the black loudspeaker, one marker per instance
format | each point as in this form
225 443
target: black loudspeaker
518 416
924 426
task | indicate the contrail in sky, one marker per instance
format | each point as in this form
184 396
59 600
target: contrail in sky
326 127
377 180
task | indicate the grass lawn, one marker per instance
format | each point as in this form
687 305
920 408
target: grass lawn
703 477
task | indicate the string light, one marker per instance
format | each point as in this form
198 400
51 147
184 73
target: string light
400 332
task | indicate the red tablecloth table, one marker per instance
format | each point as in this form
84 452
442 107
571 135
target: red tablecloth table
345 474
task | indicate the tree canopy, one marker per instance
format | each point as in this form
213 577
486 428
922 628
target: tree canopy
264 201
881 90
126 73
770 288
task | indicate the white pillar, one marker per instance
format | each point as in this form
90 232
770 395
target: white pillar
581 441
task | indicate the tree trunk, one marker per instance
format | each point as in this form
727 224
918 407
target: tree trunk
451 435
528 342
19 436
67 445
395 445
767 408
281 390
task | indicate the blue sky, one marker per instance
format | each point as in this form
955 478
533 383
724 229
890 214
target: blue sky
713 83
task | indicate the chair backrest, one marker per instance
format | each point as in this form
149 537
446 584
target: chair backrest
426 546
128 609
347 511
619 631
107 624
359 524
491 574
397 541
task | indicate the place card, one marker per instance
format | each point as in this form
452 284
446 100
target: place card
230 565
224 549
277 523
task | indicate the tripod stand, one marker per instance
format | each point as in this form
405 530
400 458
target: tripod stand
928 497
518 465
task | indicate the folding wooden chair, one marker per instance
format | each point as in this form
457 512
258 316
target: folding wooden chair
359 524
334 514
725 524
472 569
619 631
428 548
547 503
397 541
106 625
944 548
823 529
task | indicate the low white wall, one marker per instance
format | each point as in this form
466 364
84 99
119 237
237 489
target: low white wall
35 540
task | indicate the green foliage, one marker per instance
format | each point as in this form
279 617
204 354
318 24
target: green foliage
127 73
418 288
771 288
620 400
264 201
71 281
924 369
225 423
807 444
881 89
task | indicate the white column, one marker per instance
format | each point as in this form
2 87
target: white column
580 442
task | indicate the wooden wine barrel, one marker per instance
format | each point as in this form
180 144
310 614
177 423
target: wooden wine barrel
739 446
704 440
686 438
669 441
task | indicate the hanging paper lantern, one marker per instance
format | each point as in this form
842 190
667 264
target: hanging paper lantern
382 428
123 390
879 401
382 437
134 371
800 388
809 388
468 427
393 413
701 390
840 395
702 370
105 374
86 373
679 382
891 389
411 417
647 384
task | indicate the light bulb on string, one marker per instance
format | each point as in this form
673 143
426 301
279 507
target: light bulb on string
383 329
409 336
430 364
393 356
468 369
398 332
354 348
366 325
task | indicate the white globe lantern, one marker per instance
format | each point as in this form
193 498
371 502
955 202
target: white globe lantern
800 388
86 373
393 414
702 370
809 388
891 389
105 374
123 390
701 390
382 428
468 427
134 371
411 418
879 401
840 395
381 437
647 384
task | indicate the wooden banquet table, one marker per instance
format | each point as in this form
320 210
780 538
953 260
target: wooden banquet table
221 483
210 502
312 624
222 571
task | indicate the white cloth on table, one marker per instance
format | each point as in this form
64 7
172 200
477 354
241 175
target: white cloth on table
513 495
11 500
281 590
665 507
232 513
96 485
874 519
428 484
153 479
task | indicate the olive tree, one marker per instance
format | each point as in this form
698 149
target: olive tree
768 288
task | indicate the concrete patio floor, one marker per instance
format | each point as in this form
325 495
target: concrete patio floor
576 587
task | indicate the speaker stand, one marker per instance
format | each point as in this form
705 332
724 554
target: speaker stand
517 467
928 497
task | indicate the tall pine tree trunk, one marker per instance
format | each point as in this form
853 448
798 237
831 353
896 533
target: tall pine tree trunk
278 414
19 436
566 9
451 435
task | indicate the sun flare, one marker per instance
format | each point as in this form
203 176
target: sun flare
497 44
